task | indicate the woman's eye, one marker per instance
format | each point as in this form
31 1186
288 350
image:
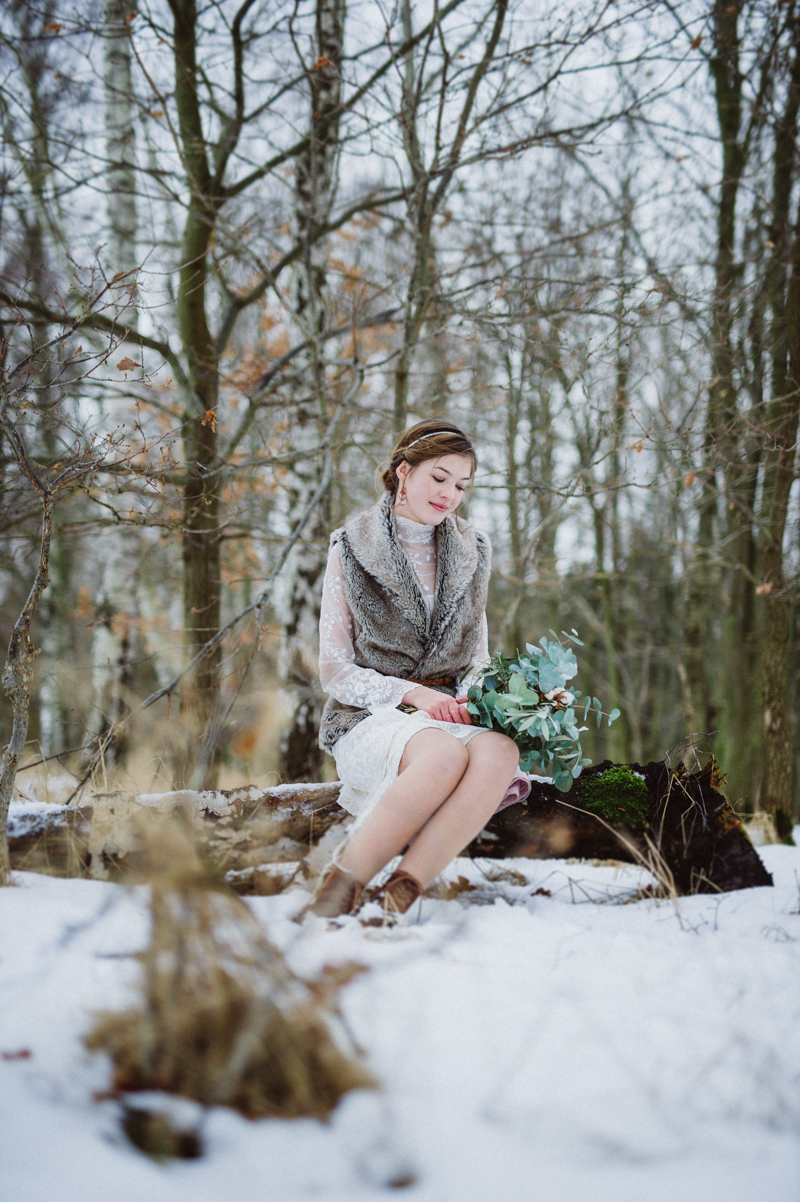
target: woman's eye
439 479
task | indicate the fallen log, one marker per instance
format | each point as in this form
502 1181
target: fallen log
675 822
685 831
52 839
238 828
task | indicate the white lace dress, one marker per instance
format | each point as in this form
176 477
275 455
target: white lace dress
368 756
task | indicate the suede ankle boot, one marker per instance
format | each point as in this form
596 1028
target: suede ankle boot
339 893
400 891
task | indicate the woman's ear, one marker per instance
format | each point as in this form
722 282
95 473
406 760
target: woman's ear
401 471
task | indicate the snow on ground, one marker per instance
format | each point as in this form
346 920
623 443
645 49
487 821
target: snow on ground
531 1048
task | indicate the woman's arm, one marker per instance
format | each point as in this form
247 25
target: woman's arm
364 687
338 673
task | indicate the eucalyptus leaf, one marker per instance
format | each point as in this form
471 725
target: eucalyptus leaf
550 677
510 697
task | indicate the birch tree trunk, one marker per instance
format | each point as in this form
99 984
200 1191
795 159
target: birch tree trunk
115 605
301 757
121 159
56 718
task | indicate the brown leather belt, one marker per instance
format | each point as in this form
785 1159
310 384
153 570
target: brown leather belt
448 681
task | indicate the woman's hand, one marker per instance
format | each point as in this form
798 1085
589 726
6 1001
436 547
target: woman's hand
441 706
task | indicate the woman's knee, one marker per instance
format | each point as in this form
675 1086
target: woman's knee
496 749
441 752
451 755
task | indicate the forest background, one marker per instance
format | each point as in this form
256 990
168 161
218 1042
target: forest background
242 244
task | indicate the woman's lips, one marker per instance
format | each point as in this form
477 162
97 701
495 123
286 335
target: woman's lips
440 508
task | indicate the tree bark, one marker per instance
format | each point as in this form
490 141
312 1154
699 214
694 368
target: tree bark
782 425
201 546
18 681
783 432
723 455
301 756
113 640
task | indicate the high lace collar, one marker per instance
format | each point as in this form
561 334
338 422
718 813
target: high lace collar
409 531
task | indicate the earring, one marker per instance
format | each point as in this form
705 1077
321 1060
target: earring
401 496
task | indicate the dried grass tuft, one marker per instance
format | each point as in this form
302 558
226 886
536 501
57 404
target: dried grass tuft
222 1017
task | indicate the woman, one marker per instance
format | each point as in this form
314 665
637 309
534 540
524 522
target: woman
403 620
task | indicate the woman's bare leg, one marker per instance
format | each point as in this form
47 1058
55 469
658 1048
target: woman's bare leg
432 765
493 760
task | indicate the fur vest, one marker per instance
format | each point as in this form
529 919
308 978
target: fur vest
392 630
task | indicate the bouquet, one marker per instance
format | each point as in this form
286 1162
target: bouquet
527 699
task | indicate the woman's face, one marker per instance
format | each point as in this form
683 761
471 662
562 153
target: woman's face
434 488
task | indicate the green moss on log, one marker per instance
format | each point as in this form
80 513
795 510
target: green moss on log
617 795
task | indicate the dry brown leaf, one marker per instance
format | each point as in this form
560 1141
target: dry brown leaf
210 419
53 27
127 365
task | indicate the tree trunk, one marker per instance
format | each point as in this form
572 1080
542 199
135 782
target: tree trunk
301 757
783 431
723 451
782 425
18 681
113 643
115 607
201 547
121 158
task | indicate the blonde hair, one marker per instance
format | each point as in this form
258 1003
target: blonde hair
427 440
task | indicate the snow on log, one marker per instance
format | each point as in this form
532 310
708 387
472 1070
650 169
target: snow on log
241 828
676 822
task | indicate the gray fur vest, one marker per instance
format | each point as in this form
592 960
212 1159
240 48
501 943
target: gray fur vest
392 631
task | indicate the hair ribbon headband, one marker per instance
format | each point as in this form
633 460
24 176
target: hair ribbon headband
431 434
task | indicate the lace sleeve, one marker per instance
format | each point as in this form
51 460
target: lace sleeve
480 657
338 673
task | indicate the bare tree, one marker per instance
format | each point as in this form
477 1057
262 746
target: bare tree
315 191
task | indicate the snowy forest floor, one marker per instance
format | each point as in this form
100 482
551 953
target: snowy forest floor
532 1047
